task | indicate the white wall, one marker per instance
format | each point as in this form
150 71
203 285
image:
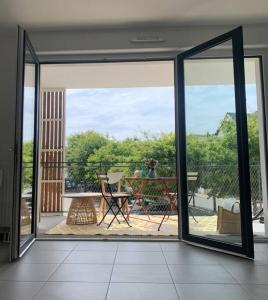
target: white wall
8 68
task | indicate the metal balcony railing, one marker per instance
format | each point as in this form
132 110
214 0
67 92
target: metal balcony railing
215 181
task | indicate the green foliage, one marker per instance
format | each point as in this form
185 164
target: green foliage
27 165
253 138
214 157
80 148
132 153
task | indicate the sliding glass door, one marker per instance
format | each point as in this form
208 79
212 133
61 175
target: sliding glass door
26 146
212 143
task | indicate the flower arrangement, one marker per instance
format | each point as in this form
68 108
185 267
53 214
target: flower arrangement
151 165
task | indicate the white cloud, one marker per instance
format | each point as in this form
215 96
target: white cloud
121 113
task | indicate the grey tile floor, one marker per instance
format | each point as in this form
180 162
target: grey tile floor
133 270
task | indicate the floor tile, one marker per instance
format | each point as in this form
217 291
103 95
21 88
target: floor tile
229 260
200 274
257 291
141 273
19 290
173 246
226 259
261 247
189 257
47 256
82 273
28 272
253 274
148 258
105 246
139 246
73 291
55 245
138 291
91 257
211 292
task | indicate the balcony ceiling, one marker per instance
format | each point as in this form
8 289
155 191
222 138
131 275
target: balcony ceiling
93 14
140 74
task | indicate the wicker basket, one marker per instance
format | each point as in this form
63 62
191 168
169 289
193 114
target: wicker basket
228 222
82 212
25 213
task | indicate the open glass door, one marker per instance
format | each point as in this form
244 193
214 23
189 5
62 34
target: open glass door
212 145
26 147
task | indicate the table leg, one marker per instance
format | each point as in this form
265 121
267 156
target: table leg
102 207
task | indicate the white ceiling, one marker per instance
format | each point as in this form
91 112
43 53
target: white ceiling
108 75
62 14
141 74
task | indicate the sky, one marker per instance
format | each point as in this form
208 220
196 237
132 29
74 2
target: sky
28 114
129 112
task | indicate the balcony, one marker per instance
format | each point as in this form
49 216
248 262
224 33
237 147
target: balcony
215 185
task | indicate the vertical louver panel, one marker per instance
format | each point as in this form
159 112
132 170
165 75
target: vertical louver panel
52 130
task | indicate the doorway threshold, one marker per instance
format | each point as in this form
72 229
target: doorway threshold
105 238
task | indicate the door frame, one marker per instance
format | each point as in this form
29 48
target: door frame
73 60
247 247
16 249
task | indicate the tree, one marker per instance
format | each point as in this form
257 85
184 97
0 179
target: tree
218 167
253 138
214 157
80 147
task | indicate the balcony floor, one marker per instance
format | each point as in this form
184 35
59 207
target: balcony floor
141 226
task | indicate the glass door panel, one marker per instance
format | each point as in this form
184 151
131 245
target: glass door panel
28 154
25 187
213 150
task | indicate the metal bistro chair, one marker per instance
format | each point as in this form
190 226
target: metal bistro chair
117 199
192 181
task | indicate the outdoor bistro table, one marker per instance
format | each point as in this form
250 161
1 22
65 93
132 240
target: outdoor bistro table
138 184
82 210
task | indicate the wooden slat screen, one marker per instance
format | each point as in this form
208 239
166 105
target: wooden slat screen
52 129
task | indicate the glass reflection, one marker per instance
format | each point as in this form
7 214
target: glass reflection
212 154
27 148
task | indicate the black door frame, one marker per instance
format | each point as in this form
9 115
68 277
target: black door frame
16 248
247 247
177 114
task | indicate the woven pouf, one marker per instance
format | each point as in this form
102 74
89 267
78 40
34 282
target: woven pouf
82 212
25 213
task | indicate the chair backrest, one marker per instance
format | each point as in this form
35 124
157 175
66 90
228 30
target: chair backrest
113 178
192 176
110 179
192 181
